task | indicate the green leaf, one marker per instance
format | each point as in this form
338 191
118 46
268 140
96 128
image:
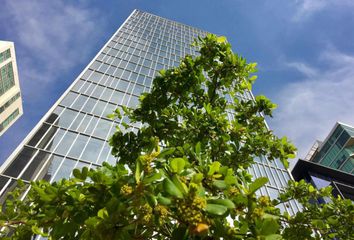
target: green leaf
180 185
102 213
84 172
197 178
269 226
273 237
77 173
171 188
221 39
230 180
152 178
164 200
180 233
198 148
214 167
257 184
244 228
166 152
92 222
151 199
318 223
177 165
225 202
221 184
216 209
332 220
285 163
267 215
311 189
36 230
138 171
207 108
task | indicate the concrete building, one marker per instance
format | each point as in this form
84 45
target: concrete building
10 94
75 131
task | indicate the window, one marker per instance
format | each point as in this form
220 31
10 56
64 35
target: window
5 55
7 80
20 162
65 143
78 146
9 119
35 166
92 150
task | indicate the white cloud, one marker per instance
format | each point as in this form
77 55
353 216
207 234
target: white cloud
303 68
308 109
306 8
51 38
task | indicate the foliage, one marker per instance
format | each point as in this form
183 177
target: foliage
197 186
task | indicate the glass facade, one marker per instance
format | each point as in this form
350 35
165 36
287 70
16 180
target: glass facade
6 78
9 119
337 150
74 133
5 55
9 102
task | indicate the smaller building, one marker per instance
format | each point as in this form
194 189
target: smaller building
330 162
321 176
10 94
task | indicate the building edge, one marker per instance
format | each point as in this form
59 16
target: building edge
13 155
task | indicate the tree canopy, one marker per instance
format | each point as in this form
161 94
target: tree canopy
183 174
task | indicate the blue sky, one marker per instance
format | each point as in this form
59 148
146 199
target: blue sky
304 50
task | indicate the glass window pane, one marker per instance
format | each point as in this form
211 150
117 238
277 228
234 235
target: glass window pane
65 143
106 155
89 88
107 94
54 115
80 101
96 77
92 150
65 169
109 109
17 165
117 97
86 74
133 102
122 85
53 164
98 91
89 105
84 123
138 89
38 162
99 108
50 143
102 128
91 125
3 181
78 146
66 118
69 99
273 193
78 85
77 121
39 134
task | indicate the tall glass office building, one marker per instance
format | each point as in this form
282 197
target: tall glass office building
74 132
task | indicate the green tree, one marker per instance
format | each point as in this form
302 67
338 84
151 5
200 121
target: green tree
183 175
